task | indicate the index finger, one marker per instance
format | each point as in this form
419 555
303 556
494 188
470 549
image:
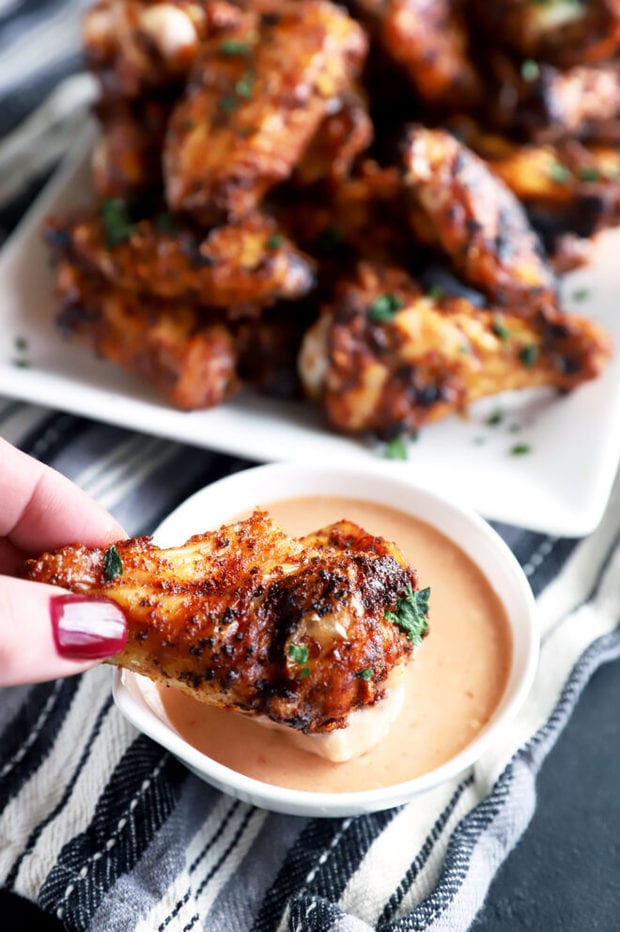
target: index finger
40 509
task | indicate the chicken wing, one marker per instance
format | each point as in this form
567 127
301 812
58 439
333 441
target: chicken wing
562 32
459 206
248 264
386 358
304 632
429 40
170 345
126 159
254 102
342 136
136 46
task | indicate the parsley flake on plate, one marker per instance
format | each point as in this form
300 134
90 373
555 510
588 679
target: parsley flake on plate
396 449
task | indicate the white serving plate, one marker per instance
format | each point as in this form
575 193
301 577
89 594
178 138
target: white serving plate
560 487
218 503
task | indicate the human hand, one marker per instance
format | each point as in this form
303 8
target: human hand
46 632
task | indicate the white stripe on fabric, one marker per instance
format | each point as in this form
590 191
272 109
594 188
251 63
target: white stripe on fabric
151 456
45 136
392 853
231 860
177 904
44 788
23 419
42 47
107 749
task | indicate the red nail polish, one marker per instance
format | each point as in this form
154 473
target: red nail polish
87 627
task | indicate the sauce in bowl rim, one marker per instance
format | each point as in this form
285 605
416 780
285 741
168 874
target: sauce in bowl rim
226 499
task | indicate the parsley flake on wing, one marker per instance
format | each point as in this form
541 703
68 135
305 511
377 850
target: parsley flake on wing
411 614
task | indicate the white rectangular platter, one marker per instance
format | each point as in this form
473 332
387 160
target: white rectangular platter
559 487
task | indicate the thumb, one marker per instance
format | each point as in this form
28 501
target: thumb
47 632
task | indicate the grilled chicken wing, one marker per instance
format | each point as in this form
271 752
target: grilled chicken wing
126 159
254 101
429 40
386 358
459 206
136 46
248 619
171 345
248 264
342 136
563 33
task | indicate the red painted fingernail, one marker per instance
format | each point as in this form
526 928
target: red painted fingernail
87 628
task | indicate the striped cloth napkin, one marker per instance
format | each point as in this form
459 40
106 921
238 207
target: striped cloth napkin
106 831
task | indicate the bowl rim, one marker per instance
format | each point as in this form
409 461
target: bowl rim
315 803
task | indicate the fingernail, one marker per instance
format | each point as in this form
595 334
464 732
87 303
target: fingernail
87 628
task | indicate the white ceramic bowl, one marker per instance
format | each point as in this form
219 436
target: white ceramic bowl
218 503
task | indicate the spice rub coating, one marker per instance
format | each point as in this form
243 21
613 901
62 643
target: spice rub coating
386 357
248 619
254 100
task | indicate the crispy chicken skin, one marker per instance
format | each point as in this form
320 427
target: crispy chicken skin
245 264
248 619
136 46
461 207
563 33
254 101
342 136
190 359
386 358
429 40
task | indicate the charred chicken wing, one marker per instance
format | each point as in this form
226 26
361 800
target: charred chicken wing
459 206
245 264
302 632
254 101
386 358
170 345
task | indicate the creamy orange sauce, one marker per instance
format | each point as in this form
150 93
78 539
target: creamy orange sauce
453 685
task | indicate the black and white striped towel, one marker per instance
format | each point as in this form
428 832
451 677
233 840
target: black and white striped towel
103 829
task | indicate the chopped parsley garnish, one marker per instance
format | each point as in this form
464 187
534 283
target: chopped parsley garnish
305 672
530 69
396 449
22 363
228 103
528 355
189 125
21 343
299 653
234 47
496 418
112 563
499 328
580 294
245 86
411 614
117 227
520 449
383 309
589 173
559 173
364 674
436 292
274 241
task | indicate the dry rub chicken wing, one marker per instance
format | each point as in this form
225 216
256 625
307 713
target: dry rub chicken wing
343 135
460 207
248 619
254 101
386 358
169 345
428 38
136 46
248 264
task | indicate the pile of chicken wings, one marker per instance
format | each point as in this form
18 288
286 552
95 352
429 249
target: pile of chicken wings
366 205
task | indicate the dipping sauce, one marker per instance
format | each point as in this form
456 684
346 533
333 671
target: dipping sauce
453 685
